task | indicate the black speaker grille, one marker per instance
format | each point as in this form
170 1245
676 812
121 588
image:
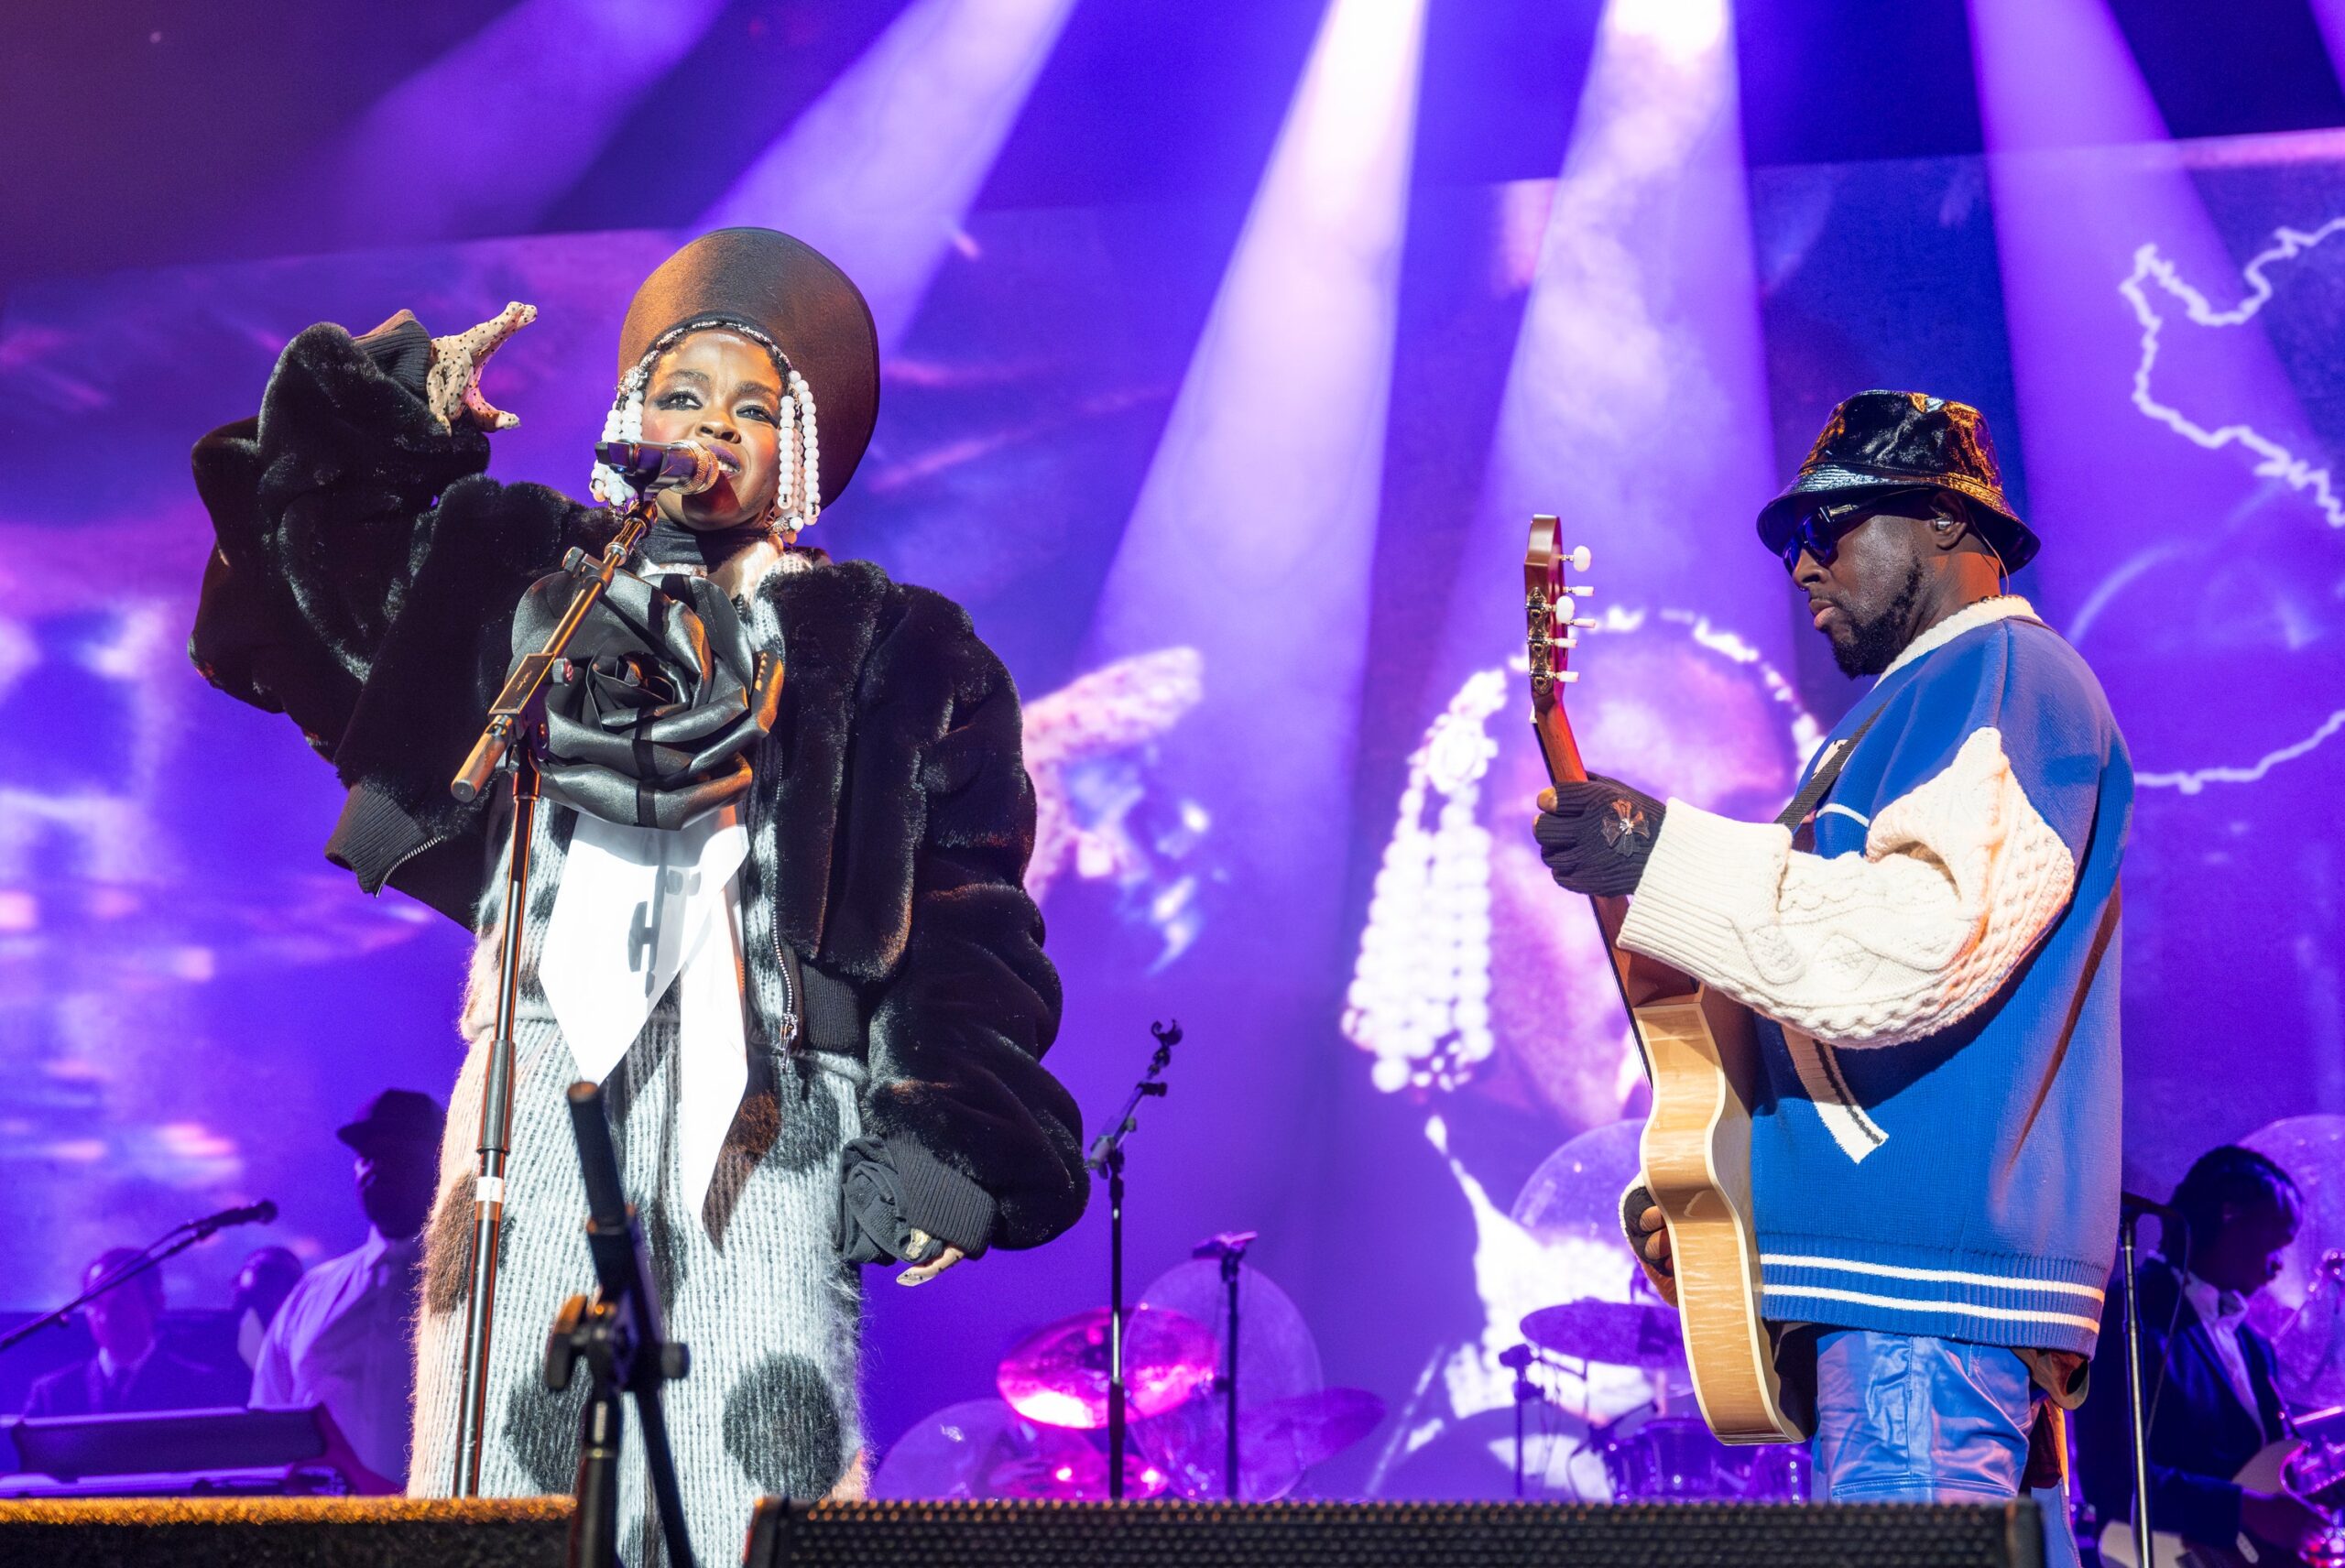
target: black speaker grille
1394 1535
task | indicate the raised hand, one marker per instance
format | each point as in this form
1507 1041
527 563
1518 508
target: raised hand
452 387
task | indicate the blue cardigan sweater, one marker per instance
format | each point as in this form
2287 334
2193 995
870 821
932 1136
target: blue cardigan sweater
1935 962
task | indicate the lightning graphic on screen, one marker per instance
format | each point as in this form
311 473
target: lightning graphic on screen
2192 780
2275 461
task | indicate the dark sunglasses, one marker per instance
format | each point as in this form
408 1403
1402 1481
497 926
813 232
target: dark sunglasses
1821 529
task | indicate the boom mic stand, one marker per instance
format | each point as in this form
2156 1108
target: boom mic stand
181 1237
1106 1157
510 743
617 1334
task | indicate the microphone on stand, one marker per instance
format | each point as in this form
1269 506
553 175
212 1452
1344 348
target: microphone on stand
689 466
2132 1206
262 1212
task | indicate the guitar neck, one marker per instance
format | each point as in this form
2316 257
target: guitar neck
1561 753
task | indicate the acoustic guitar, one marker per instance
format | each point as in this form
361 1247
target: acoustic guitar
1702 1060
2272 1469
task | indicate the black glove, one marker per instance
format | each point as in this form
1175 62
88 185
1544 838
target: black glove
1597 835
1633 1205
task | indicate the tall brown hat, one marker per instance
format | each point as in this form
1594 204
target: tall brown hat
790 292
1878 441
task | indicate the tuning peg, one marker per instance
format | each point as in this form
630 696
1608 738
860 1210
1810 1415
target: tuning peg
1581 621
1579 558
1566 676
1582 588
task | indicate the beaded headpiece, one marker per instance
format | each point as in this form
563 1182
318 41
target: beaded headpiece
798 496
784 295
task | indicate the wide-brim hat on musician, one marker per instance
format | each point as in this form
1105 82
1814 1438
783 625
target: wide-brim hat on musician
393 1117
1878 441
784 293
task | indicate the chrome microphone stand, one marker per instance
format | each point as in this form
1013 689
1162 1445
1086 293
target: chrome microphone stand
510 743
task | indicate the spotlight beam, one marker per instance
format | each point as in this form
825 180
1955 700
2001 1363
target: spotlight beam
1636 405
507 122
2091 201
878 172
1255 527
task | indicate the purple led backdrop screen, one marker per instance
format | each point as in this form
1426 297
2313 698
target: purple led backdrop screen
1415 1099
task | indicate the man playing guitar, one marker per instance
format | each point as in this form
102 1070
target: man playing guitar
1929 941
2214 1408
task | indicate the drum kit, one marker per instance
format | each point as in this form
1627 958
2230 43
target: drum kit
1659 1450
1655 1454
1044 1437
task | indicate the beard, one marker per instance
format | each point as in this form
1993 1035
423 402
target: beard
1869 646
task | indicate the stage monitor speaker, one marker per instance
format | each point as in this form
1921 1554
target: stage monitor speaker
281 1532
1393 1535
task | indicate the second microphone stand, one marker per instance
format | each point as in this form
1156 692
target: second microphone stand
510 743
1106 1158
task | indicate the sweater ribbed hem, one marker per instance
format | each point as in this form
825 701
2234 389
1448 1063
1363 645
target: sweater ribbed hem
2030 1303
938 1199
1702 866
373 837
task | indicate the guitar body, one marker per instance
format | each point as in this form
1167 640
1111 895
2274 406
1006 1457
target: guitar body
1702 1058
2266 1472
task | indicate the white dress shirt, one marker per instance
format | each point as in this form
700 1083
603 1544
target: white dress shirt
2222 1312
345 1339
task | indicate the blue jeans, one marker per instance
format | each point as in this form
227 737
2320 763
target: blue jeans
1903 1418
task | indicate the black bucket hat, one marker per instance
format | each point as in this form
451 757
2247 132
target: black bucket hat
394 1117
796 296
1878 441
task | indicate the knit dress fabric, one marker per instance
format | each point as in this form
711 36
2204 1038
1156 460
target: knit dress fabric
752 1284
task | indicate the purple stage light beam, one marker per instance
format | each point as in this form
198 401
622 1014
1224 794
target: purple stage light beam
489 136
2146 386
1636 405
1253 532
2330 15
878 172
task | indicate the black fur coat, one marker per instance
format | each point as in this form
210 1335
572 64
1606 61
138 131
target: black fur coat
365 585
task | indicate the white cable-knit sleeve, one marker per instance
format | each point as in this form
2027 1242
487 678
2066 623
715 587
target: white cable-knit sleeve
1958 879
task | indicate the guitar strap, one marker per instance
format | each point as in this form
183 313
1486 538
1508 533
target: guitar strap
1827 774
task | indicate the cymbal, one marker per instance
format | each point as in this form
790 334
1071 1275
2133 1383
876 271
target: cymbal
1058 1374
1277 1440
1277 1356
1618 1334
2302 1312
982 1448
1307 1429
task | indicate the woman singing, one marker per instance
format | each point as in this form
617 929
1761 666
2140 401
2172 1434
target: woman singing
775 903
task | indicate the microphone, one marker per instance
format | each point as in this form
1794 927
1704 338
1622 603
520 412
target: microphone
2132 1206
262 1212
688 466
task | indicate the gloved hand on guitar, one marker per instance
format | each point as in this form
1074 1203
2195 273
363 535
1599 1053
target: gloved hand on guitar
1595 835
1648 1237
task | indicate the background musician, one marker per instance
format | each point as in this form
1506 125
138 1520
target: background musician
2214 1405
1929 937
131 1369
344 1336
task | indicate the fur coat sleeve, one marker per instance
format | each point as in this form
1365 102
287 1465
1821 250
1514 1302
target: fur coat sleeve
903 816
364 585
959 1033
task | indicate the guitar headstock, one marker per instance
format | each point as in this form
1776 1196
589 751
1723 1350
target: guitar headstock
1551 605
